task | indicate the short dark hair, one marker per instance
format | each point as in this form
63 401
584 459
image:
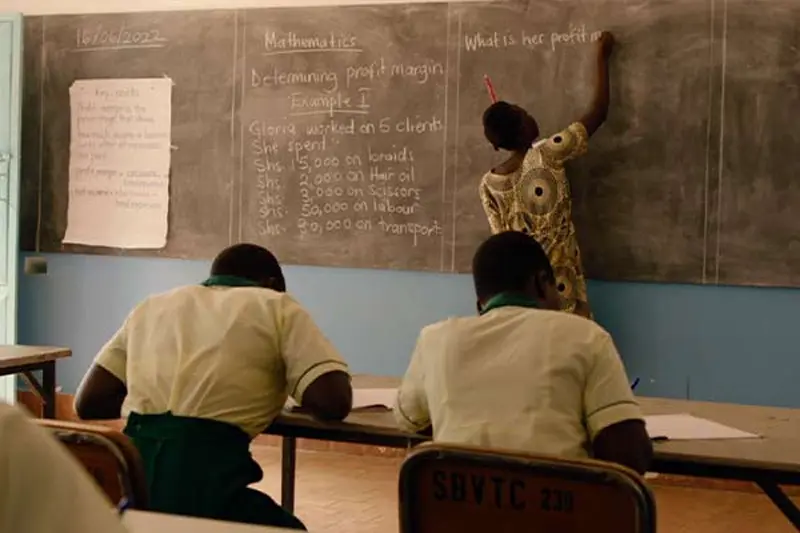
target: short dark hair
506 262
502 125
251 262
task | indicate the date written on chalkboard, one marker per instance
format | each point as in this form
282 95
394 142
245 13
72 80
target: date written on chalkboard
100 37
498 492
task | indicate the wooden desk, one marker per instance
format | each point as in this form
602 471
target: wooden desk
28 359
142 522
768 462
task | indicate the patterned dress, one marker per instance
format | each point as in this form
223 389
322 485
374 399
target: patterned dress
536 200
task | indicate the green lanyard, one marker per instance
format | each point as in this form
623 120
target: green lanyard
228 281
508 299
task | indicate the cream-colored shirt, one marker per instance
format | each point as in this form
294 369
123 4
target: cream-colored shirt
516 378
231 354
43 489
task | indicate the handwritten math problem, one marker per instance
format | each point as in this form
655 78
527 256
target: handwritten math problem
351 136
330 154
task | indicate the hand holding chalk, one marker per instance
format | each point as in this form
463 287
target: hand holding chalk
490 88
607 43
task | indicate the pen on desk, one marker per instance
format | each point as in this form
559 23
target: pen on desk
123 505
635 382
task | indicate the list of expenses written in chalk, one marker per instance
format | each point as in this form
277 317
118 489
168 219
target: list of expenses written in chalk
330 157
119 163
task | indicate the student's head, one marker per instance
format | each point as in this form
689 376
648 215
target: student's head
513 262
509 127
250 262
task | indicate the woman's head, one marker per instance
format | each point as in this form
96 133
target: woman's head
509 127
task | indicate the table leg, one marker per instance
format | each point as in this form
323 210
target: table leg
49 390
782 502
288 467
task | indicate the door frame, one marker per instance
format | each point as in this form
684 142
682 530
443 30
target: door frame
8 386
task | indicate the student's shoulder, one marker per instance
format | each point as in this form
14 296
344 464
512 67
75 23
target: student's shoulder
579 329
199 293
574 136
448 326
171 295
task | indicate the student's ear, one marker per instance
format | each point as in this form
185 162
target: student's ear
546 291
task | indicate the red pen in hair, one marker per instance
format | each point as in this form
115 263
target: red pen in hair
490 88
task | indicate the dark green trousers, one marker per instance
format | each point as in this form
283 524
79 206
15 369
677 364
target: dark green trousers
199 467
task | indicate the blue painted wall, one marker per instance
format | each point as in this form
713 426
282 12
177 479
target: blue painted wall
708 343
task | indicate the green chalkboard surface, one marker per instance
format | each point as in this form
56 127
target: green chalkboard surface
351 136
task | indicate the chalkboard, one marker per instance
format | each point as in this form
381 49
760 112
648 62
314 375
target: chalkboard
168 44
638 195
319 134
758 237
344 124
351 136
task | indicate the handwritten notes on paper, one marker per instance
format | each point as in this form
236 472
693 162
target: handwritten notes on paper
119 163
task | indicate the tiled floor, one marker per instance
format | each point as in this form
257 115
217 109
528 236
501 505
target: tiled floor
358 494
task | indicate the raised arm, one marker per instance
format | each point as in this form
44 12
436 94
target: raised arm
599 111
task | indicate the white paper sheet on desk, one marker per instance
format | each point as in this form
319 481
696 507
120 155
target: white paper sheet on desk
366 399
688 427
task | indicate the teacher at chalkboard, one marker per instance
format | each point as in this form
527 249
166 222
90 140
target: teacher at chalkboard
529 192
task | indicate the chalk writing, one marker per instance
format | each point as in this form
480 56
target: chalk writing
571 36
421 71
100 37
292 42
327 80
329 159
270 189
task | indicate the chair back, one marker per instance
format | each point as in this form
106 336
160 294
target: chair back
109 456
470 490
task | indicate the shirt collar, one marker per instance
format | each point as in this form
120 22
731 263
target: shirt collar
509 299
229 281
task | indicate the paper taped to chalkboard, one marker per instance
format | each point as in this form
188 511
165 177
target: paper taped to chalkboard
120 150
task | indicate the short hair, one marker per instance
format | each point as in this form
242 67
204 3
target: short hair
502 125
506 262
249 261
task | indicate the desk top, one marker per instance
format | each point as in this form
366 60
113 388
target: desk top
778 451
142 522
15 355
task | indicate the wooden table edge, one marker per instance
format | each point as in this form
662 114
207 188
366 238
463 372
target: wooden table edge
39 355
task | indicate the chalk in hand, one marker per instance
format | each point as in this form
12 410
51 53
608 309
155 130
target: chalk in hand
490 88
